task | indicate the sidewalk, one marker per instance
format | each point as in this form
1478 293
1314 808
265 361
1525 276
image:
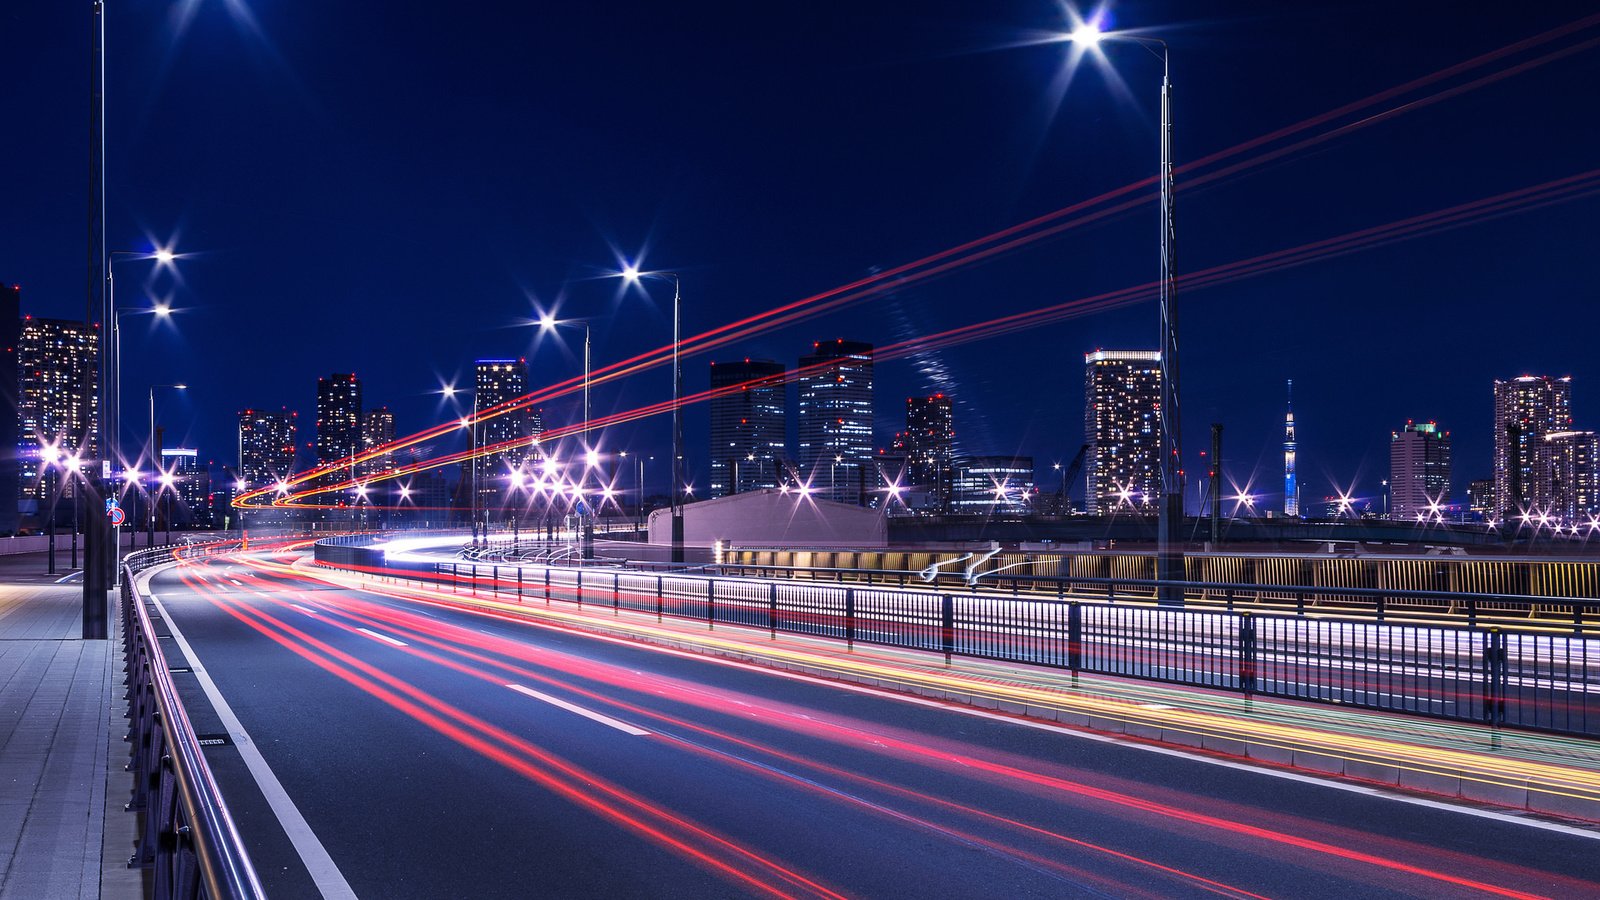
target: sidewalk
1539 773
63 831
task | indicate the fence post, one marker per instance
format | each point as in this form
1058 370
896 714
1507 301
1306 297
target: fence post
711 604
947 625
519 584
616 593
1075 636
1494 677
849 620
772 609
580 588
494 580
546 585
1247 653
473 579
658 598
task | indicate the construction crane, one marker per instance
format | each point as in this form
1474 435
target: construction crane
1073 468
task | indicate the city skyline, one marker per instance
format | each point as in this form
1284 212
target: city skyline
1342 442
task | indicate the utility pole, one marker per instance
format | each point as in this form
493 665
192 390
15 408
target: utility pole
1216 483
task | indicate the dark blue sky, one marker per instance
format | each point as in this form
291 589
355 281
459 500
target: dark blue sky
383 187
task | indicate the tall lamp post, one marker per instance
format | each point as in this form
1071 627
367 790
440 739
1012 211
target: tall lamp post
155 460
634 276
548 322
1169 547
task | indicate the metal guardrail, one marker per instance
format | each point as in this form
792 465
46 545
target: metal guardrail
1528 679
187 837
1580 614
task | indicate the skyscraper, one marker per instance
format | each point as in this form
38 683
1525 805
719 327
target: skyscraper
749 421
836 419
338 417
1291 485
190 488
1525 410
377 429
496 383
1122 426
57 365
930 440
1419 471
266 446
1566 485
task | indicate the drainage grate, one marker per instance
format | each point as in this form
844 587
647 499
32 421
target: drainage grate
213 740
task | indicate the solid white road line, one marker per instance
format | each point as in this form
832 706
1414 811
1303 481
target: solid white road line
382 637
573 708
69 576
309 612
329 880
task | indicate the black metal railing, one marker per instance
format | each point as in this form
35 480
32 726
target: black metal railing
1579 615
1541 680
187 837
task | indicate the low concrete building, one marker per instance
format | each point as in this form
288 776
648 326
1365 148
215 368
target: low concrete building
773 518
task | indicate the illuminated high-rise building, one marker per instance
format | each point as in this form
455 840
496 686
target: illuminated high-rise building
1291 484
191 486
1122 426
266 446
836 420
377 429
749 421
1566 484
1419 472
58 403
1525 410
338 417
930 440
499 383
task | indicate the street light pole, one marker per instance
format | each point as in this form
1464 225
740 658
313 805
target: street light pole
155 463
1169 546
676 491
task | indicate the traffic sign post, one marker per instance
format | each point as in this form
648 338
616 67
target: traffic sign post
117 515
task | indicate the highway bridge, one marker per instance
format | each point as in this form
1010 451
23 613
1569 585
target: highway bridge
380 736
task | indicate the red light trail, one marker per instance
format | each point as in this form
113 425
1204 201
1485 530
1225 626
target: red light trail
994 244
471 652
1557 190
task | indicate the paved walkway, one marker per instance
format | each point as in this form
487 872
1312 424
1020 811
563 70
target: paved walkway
61 751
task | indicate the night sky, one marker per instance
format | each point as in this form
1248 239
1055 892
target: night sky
391 189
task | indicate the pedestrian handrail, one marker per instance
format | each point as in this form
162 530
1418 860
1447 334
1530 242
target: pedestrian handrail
187 836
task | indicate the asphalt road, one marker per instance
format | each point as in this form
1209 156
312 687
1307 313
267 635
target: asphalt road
614 770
